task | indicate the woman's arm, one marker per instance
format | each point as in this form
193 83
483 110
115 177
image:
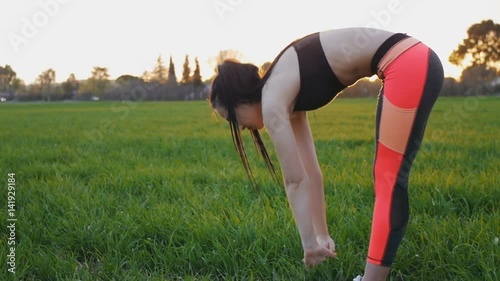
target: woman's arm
296 181
278 96
299 190
307 152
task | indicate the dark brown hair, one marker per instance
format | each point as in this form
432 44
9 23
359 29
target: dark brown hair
239 83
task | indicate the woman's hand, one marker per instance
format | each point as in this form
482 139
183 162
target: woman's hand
327 242
317 255
325 248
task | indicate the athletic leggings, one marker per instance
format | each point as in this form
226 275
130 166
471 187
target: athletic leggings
412 77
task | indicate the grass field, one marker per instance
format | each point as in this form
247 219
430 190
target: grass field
155 191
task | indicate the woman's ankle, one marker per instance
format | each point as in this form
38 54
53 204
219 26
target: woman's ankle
375 272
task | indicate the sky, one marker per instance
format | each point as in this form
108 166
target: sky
73 36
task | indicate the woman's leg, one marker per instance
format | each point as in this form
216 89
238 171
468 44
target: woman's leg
411 86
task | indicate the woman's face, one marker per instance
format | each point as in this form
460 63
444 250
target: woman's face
249 116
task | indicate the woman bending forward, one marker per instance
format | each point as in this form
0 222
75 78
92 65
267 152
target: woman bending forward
307 75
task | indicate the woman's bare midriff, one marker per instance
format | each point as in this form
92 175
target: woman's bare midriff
350 51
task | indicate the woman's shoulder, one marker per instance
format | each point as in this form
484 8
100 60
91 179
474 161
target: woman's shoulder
285 70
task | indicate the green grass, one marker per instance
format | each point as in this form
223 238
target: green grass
155 191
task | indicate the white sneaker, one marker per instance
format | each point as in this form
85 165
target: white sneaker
358 278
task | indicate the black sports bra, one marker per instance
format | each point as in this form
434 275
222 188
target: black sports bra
318 84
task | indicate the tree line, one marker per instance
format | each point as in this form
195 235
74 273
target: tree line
478 54
161 83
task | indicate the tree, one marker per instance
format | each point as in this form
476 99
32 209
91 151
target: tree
46 79
100 73
146 76
18 86
97 84
124 87
128 80
475 77
451 87
196 78
186 72
7 77
224 55
228 54
172 78
159 74
481 47
34 91
70 87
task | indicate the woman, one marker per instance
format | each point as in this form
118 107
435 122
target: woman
307 75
